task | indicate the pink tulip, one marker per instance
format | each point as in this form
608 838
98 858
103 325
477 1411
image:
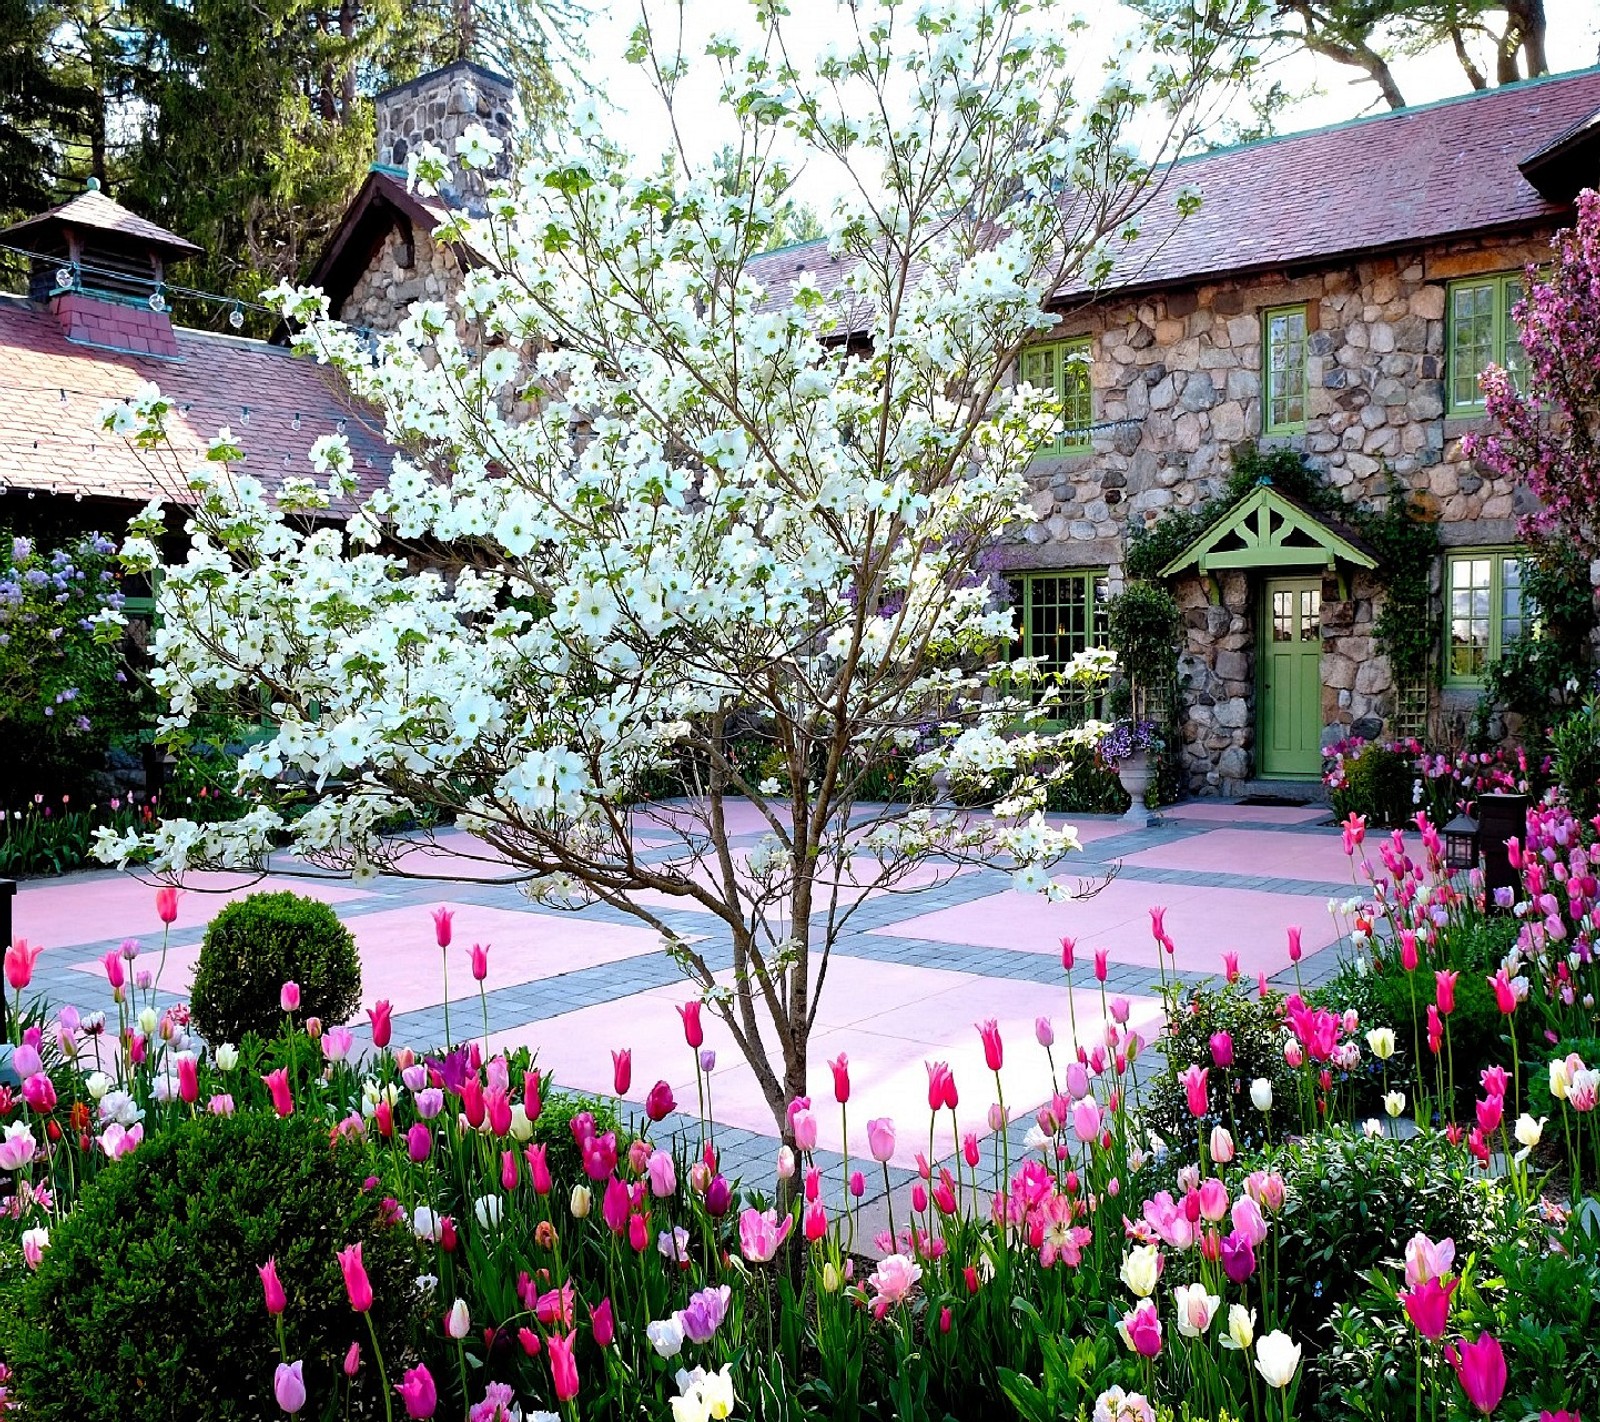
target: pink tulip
1295 951
1408 950
621 1071
941 1086
1141 1330
816 1222
497 1109
761 1235
1428 1307
40 1093
480 961
442 919
538 1168
381 1015
880 1139
993 1048
19 960
1222 1049
277 1301
289 997
1043 1033
419 1142
1086 1119
1193 1081
289 1386
1481 1367
693 1032
1504 997
605 1329
1445 985
356 1283
167 905
352 1360
188 1080
563 1370
659 1104
1069 953
803 1124
1426 1260
277 1082
1230 967
840 1067
417 1390
112 963
1102 957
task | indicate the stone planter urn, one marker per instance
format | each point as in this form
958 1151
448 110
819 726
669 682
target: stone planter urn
1134 772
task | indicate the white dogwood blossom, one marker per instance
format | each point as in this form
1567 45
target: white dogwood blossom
659 497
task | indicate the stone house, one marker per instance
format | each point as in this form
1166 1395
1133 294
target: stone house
1338 293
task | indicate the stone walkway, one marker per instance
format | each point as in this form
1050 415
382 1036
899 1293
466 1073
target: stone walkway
909 978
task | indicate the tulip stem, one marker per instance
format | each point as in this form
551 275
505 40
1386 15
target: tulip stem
444 967
888 1199
383 1377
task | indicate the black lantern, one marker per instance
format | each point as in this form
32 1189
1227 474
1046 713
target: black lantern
1461 844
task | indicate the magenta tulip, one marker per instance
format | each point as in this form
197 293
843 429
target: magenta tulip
356 1283
417 1392
272 1288
1481 1367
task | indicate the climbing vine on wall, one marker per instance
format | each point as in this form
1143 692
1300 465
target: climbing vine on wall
1405 546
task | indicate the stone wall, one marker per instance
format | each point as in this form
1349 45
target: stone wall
1177 385
384 292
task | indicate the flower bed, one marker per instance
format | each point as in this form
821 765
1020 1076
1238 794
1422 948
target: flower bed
1388 783
433 1233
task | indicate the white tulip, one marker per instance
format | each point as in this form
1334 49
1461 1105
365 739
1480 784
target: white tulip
1277 1358
1261 1094
1141 1267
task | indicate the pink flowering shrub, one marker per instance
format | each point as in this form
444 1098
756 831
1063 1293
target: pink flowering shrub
1547 435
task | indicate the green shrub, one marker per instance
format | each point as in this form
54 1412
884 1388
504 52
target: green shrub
253 947
1576 743
1195 1014
1351 1203
1380 783
148 1307
1538 1295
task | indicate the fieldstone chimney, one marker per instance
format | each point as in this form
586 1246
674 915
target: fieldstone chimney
438 108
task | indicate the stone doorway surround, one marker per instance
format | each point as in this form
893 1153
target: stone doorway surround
1218 580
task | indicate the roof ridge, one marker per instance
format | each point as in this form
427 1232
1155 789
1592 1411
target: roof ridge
1471 97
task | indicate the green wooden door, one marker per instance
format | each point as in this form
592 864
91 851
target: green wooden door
1289 703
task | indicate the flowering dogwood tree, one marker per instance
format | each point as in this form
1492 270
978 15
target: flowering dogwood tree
652 501
1547 435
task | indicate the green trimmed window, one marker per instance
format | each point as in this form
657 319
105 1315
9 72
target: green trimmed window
1283 406
1059 615
1062 367
1485 610
1482 332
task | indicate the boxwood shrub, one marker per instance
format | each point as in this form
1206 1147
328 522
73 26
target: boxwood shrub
148 1304
256 945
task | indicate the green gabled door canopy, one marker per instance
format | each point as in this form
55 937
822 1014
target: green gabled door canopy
1267 529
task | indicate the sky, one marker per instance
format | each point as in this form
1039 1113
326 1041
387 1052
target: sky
1340 92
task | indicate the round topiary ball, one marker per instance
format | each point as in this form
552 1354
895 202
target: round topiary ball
148 1304
255 946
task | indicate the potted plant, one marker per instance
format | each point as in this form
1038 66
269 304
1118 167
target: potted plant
1129 748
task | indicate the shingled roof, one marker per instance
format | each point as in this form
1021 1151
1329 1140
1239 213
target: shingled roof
94 211
1383 183
52 391
1390 181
